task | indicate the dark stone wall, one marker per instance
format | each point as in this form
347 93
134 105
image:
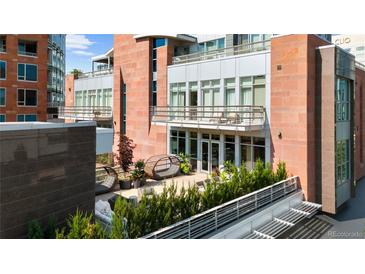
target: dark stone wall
45 173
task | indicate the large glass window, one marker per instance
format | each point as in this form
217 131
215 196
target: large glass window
177 94
2 70
27 72
210 90
78 98
229 147
193 89
230 92
212 45
2 96
343 92
252 149
27 47
253 91
177 141
27 97
342 161
2 118
26 117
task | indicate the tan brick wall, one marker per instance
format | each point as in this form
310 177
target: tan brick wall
293 106
12 84
69 90
132 65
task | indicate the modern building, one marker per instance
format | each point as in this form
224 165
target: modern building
353 43
31 76
89 95
240 98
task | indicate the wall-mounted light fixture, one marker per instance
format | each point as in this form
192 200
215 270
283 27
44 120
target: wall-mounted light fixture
280 135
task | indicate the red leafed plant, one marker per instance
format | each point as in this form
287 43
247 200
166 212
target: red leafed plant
124 156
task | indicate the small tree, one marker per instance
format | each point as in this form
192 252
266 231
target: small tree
124 156
35 230
76 73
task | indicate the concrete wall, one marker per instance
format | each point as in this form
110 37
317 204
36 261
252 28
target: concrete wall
45 170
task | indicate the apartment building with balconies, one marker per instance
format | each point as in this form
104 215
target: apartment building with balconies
244 97
28 69
89 95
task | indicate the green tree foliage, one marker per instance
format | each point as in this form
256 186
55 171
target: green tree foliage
35 230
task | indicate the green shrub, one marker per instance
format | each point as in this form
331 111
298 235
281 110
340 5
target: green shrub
157 211
105 159
50 231
138 172
185 166
35 230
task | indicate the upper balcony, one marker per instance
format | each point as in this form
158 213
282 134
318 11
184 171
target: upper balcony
243 118
221 53
85 113
95 73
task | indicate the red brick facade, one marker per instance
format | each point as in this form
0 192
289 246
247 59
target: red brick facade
12 84
132 67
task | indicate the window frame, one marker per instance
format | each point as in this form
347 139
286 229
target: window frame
4 48
25 97
24 115
4 105
25 72
6 67
251 146
30 54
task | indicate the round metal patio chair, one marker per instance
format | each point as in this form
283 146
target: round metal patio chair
160 167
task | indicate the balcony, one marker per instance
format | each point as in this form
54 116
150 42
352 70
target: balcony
220 53
85 113
243 118
95 73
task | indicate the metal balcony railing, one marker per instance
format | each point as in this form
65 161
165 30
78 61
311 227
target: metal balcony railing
87 113
95 73
211 220
234 116
360 65
220 53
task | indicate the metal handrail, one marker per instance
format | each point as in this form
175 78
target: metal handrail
95 73
360 65
241 115
27 53
219 216
96 113
219 53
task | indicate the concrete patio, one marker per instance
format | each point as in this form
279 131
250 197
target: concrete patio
157 186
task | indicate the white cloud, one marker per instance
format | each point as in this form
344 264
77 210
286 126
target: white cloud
78 41
83 52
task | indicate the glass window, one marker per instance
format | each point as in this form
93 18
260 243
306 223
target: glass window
2 70
177 142
246 140
2 118
193 88
26 117
159 42
229 148
2 97
27 47
2 43
221 43
215 137
343 92
27 72
230 91
342 161
246 156
177 94
27 97
258 153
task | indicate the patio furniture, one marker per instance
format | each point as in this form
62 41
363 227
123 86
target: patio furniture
109 182
159 167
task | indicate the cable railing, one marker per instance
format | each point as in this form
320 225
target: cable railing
236 116
220 53
93 113
211 220
95 73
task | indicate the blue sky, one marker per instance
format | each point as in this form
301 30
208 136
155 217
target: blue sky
81 47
